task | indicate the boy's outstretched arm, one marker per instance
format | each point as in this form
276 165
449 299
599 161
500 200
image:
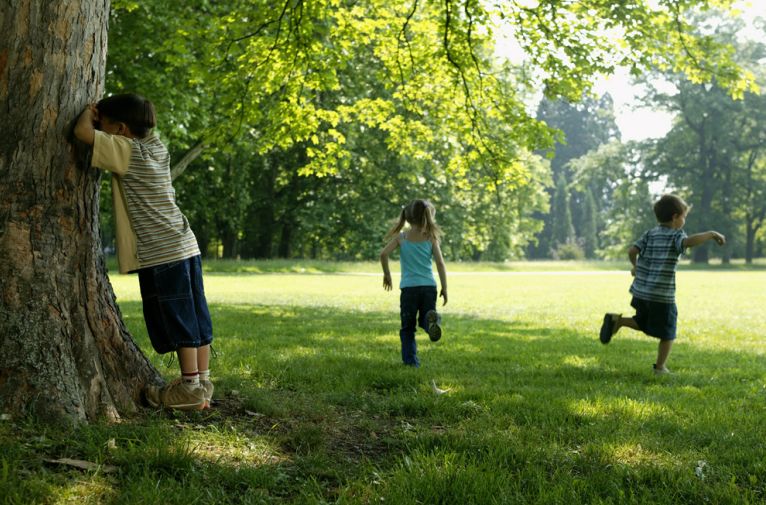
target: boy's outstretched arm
390 247
701 238
439 259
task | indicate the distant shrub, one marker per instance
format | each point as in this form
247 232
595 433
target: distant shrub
569 251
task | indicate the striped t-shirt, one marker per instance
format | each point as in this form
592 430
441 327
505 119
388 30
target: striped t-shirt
659 249
150 228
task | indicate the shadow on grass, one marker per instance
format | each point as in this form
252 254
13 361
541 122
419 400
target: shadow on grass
313 403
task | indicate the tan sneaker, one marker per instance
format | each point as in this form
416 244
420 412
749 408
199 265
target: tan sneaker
176 395
661 370
208 387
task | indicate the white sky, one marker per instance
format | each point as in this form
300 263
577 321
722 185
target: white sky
635 122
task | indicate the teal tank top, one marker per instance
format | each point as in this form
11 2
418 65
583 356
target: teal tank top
415 259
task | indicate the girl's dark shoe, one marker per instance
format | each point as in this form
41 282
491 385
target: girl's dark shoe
434 320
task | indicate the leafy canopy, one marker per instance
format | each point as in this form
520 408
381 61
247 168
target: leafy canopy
426 71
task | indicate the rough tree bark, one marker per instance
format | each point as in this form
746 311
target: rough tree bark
66 354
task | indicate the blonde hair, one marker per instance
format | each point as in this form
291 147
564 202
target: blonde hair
421 214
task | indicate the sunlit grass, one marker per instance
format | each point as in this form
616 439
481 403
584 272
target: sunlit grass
315 407
636 455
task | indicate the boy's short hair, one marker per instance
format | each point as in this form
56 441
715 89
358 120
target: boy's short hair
134 110
668 206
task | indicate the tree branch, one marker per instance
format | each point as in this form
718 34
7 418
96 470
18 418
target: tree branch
403 35
258 30
191 155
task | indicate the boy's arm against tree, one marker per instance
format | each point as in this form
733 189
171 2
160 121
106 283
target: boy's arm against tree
83 129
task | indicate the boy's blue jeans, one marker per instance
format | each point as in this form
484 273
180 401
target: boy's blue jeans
175 308
414 304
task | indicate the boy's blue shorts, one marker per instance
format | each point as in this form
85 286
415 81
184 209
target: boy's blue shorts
175 308
656 319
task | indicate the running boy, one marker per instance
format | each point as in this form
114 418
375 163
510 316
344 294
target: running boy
155 240
654 257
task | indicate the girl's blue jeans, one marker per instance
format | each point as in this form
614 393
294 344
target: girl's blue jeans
414 304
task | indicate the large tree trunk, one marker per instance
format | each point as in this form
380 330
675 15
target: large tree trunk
66 353
286 238
259 228
229 242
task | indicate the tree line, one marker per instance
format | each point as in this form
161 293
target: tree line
312 144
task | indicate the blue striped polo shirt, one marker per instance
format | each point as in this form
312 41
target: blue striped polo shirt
659 250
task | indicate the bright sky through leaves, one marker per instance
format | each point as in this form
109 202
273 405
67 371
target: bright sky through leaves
635 122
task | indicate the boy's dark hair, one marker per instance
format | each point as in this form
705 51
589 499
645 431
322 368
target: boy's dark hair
668 206
134 110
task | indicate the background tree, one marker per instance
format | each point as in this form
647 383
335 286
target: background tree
713 153
563 231
618 176
583 126
589 227
694 156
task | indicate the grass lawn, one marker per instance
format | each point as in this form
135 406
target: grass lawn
314 406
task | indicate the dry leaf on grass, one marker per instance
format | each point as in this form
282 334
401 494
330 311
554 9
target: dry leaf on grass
83 465
436 390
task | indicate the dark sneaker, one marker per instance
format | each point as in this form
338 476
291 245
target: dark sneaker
434 320
608 326
208 387
176 395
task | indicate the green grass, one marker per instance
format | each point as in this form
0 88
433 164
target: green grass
315 407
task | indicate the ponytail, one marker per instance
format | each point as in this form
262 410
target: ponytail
397 227
430 229
419 213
